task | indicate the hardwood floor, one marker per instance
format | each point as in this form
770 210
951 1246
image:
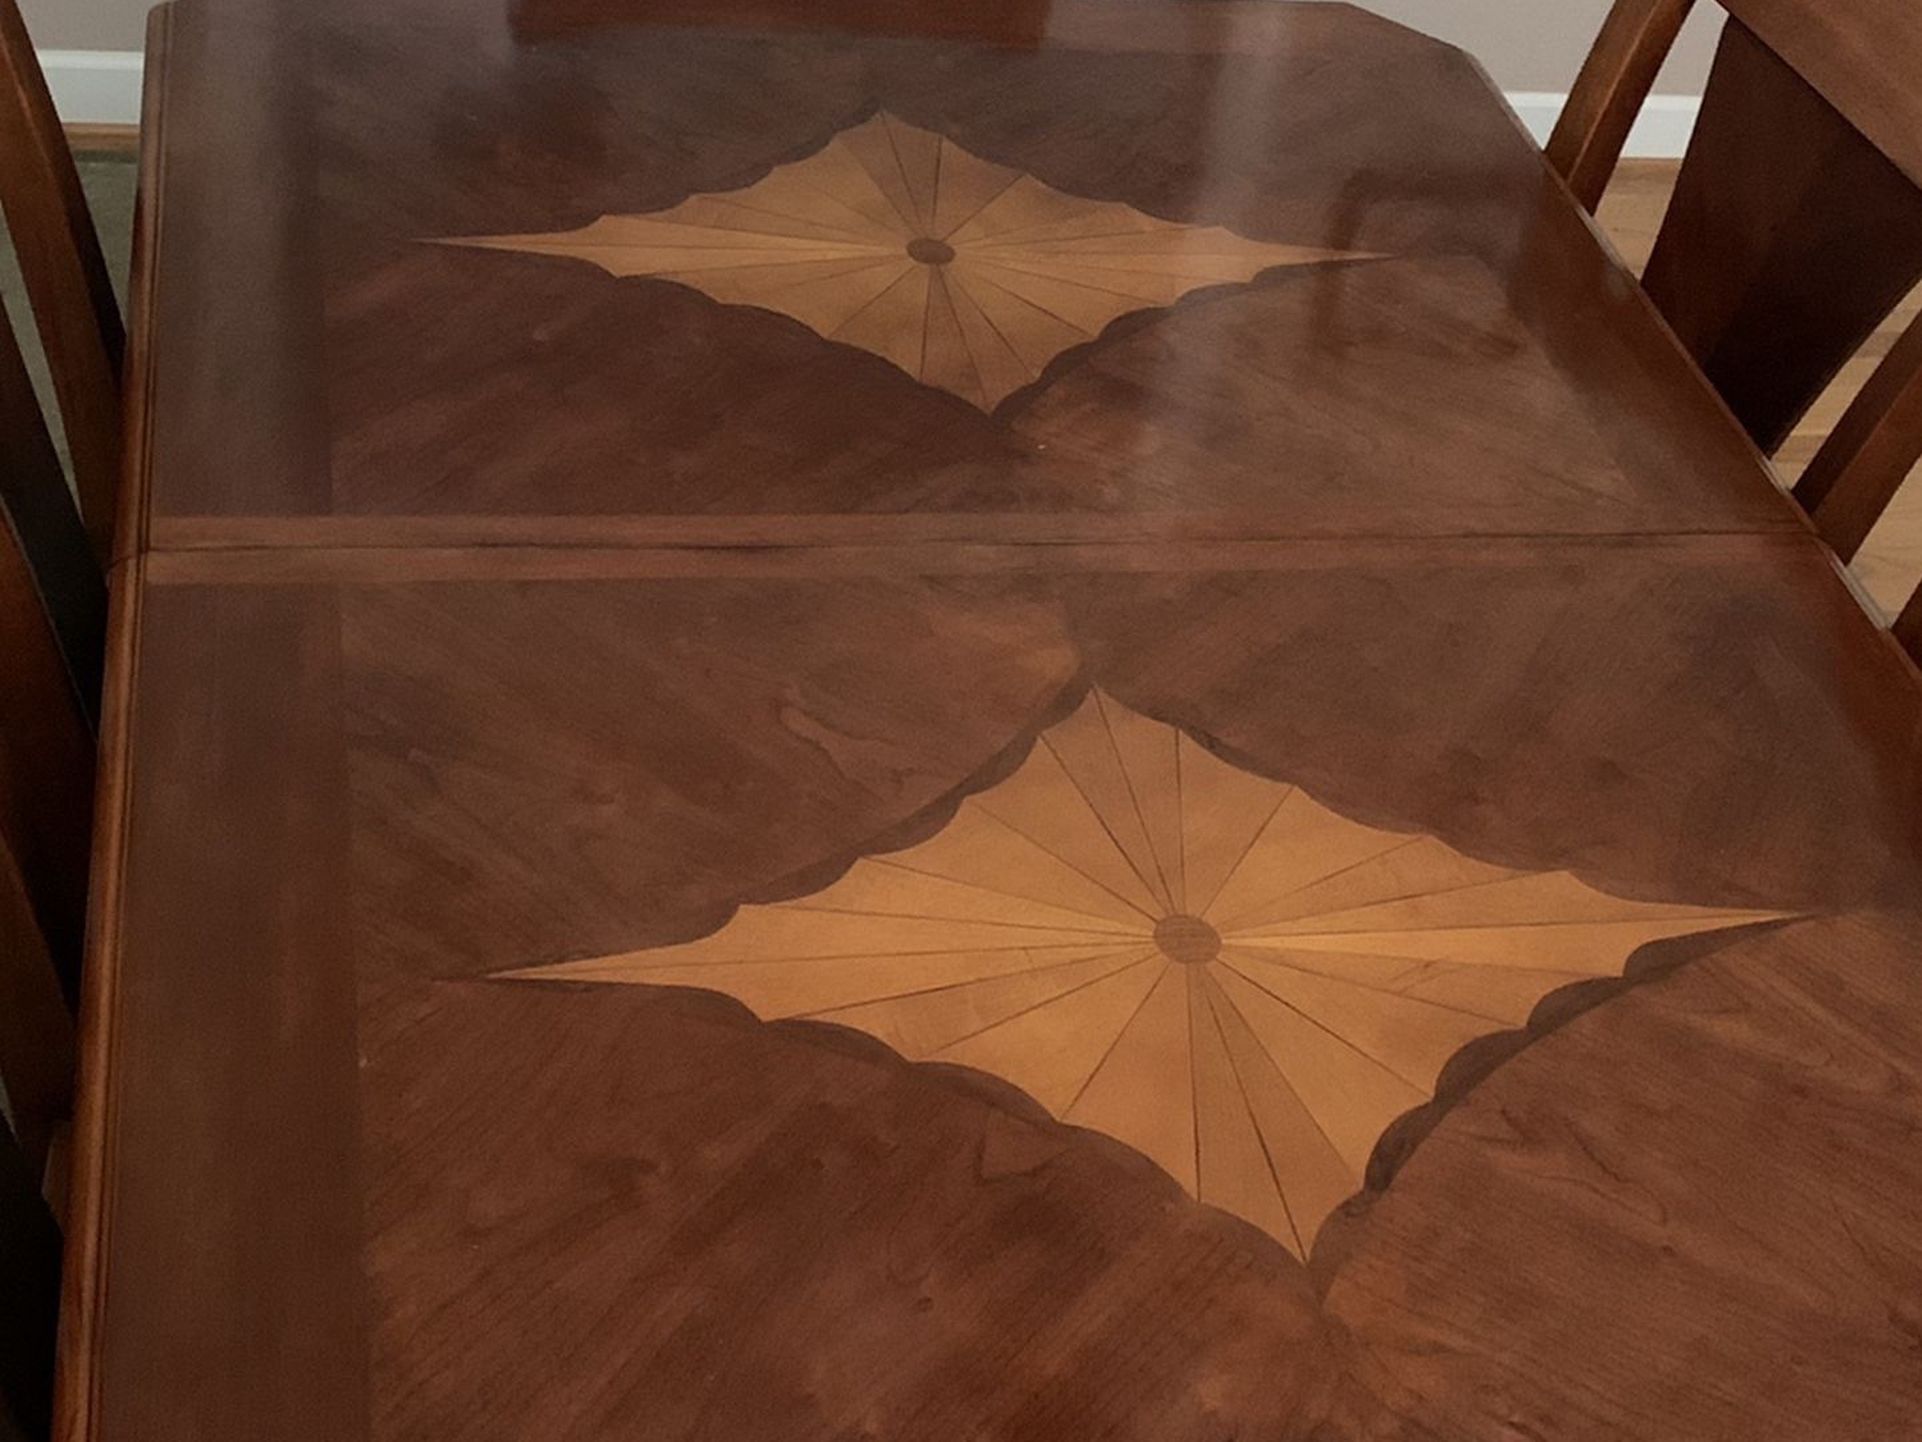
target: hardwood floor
1891 562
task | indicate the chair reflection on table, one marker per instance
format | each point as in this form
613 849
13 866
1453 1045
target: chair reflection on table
1010 22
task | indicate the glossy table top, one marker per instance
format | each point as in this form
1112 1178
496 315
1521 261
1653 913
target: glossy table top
825 735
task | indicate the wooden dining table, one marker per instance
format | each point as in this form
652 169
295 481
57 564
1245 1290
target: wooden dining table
817 733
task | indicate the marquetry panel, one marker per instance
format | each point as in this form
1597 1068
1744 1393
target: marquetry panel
1198 961
967 275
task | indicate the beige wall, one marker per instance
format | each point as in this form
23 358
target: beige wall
1539 44
1526 44
86 24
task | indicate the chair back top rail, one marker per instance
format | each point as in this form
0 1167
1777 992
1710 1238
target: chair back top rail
66 274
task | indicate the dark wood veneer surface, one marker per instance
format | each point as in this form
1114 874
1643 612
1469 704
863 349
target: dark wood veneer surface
481 611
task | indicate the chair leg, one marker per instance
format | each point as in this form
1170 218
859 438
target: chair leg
29 1296
1908 629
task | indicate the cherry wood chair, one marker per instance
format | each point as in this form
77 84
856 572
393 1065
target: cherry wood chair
52 633
1796 226
66 275
52 614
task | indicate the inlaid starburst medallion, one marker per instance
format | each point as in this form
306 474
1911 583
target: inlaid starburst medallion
967 275
1200 962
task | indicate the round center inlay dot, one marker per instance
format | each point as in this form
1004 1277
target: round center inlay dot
929 251
1187 939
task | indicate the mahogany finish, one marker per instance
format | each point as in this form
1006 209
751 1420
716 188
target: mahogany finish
1292 840
52 622
1796 226
1790 238
1878 441
1861 55
46 770
66 275
1908 627
1614 82
1010 21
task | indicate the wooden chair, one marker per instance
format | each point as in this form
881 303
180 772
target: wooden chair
52 620
1796 226
52 631
67 279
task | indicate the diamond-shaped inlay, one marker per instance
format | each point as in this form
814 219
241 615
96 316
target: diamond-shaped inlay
1200 962
967 275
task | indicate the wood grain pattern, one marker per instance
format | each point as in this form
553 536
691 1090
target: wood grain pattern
524 621
1859 55
1127 915
1794 233
1889 563
466 382
965 274
476 808
1789 240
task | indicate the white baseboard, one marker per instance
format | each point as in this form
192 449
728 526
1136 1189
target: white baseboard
102 87
1661 131
94 87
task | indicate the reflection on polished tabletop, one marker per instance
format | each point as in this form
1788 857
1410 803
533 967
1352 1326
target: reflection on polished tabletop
1060 734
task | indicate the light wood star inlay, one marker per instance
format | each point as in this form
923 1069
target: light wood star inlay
1200 962
967 275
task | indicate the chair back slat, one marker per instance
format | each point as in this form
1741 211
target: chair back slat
1796 225
1789 240
1610 91
52 601
36 1029
46 760
66 274
1871 452
52 636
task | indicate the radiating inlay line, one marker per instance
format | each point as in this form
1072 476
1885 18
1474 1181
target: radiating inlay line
1255 1047
1320 1024
996 273
1294 1237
